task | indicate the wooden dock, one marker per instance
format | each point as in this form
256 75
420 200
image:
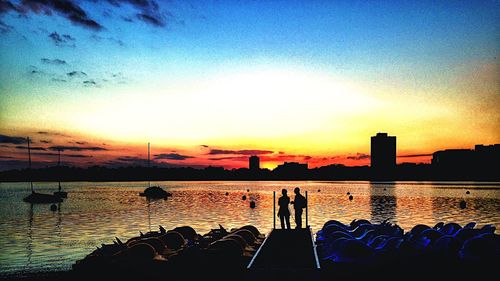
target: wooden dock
285 255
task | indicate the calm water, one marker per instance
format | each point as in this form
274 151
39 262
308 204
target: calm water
35 238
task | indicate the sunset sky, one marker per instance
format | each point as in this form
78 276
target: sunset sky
213 82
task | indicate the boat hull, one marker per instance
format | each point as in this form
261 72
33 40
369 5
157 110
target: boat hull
42 198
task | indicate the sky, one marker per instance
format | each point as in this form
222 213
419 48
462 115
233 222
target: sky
213 82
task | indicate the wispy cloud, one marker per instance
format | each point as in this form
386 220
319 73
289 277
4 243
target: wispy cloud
76 74
414 155
62 40
65 8
65 155
4 28
359 156
171 156
242 152
31 147
90 83
77 148
47 133
12 140
53 61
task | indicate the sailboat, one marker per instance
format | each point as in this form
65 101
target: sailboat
154 192
60 193
35 197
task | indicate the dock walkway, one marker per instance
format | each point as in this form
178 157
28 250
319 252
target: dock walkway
287 255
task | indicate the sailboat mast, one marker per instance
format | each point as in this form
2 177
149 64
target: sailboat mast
149 170
29 165
59 167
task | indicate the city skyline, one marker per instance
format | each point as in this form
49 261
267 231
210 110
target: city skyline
211 83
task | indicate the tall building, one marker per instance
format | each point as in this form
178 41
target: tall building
254 163
383 153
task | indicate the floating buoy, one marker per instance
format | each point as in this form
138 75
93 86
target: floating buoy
385 188
227 193
463 205
248 190
350 197
348 193
244 197
53 207
319 190
467 192
252 204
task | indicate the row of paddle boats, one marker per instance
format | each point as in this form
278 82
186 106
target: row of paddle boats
363 242
176 252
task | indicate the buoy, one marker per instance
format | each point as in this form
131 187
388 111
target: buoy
348 193
244 197
467 192
252 204
53 207
463 205
385 188
227 193
248 190
350 197
319 190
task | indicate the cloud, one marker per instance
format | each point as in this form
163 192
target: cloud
65 155
359 156
151 19
64 40
76 74
149 11
110 39
4 28
51 133
31 147
204 145
307 157
12 140
414 155
242 152
58 80
68 9
171 156
45 141
90 82
6 6
53 61
77 148
234 158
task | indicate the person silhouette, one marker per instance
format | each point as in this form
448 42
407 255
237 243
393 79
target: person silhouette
284 212
299 203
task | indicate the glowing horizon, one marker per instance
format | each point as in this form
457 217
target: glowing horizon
309 84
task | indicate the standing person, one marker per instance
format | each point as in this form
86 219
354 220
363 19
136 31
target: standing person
298 204
284 212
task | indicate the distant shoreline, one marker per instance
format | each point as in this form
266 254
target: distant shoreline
435 182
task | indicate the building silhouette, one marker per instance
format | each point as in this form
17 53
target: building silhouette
481 162
291 170
254 163
383 155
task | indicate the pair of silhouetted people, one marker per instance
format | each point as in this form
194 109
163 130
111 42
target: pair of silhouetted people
299 203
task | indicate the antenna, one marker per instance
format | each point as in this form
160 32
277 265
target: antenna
29 163
149 180
59 166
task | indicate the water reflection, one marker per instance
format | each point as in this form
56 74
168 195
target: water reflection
29 241
35 238
383 202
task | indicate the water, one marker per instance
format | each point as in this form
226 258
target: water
33 238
